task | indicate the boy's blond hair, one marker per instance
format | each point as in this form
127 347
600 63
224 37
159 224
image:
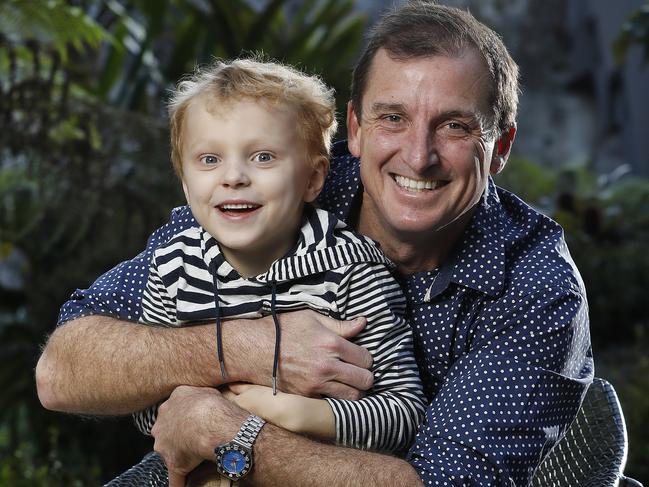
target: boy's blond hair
272 82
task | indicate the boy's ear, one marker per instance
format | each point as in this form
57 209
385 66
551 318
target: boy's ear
320 167
185 190
502 149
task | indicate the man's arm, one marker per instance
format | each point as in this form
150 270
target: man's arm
284 458
195 420
508 400
100 365
99 361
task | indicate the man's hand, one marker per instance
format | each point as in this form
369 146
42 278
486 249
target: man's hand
316 358
190 424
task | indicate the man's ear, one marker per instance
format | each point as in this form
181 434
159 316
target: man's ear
353 131
317 178
501 151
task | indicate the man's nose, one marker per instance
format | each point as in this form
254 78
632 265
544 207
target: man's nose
235 173
420 152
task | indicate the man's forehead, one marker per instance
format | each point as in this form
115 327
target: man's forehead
399 81
385 64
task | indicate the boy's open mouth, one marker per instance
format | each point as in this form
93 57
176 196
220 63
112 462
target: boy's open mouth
238 208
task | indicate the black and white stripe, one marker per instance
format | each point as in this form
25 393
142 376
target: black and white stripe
332 271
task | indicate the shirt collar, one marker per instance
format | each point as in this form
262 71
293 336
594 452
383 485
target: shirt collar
479 261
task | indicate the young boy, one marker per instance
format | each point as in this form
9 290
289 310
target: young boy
250 143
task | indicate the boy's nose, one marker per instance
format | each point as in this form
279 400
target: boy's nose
235 174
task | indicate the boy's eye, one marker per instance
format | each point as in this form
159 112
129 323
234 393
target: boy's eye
263 157
209 159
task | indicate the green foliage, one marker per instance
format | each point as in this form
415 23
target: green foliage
52 23
319 36
634 31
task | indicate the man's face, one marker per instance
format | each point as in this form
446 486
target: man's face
424 144
246 178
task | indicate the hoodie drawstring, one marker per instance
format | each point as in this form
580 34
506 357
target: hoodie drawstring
277 335
219 333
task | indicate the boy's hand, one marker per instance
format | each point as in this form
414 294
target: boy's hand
316 357
289 411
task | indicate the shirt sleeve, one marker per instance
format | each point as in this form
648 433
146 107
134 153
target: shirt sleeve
118 292
158 309
388 417
509 399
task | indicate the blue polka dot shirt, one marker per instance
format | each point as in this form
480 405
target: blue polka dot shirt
501 334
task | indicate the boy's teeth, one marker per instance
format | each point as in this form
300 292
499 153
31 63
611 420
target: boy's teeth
238 207
415 184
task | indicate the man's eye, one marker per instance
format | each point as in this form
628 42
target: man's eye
209 160
263 157
457 126
392 118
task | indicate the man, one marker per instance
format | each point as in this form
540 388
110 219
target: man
498 310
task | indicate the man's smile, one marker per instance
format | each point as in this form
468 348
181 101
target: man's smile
418 184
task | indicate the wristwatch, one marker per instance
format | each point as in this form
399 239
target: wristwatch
234 459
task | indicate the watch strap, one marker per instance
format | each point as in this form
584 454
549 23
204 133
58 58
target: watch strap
249 430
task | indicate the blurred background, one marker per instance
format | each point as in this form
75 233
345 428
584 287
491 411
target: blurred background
85 174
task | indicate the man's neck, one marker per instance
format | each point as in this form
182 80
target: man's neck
413 252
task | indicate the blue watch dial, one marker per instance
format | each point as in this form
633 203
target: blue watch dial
233 462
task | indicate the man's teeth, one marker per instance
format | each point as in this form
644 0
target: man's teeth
415 184
238 206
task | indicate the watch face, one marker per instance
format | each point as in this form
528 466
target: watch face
233 460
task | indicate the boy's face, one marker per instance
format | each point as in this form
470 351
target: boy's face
246 176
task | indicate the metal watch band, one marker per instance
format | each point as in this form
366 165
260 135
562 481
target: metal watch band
249 431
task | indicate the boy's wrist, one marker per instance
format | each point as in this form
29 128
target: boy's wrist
316 418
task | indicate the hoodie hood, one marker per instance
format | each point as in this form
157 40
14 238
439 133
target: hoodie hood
324 243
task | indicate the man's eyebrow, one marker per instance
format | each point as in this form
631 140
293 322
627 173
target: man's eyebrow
382 107
461 114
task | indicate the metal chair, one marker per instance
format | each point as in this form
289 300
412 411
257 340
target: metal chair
592 453
150 472
594 450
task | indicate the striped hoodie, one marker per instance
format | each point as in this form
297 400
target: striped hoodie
330 270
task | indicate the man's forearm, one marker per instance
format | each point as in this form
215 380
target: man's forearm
100 365
283 458
194 420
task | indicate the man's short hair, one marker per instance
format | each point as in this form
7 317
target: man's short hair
421 28
271 82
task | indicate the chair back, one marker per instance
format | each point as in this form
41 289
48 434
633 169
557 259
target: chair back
594 450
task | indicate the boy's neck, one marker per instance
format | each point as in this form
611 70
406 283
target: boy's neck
252 263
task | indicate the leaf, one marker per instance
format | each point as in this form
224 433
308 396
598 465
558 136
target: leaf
52 23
